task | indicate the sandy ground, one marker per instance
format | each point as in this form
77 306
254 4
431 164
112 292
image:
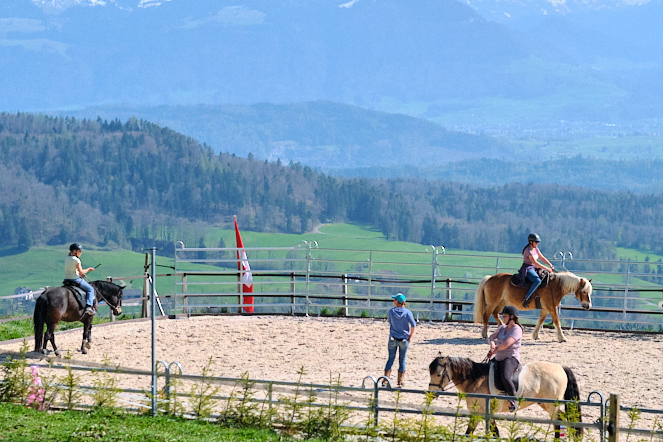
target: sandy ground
276 347
270 347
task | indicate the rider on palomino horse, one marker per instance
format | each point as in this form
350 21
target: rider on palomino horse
531 256
505 346
74 273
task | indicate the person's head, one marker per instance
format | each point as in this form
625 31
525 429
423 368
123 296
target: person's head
399 299
510 313
75 249
534 239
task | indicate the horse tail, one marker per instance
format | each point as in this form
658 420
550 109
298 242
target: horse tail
480 301
38 320
572 393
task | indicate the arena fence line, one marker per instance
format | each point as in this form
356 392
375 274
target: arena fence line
439 285
372 400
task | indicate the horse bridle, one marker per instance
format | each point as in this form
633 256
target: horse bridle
114 307
439 385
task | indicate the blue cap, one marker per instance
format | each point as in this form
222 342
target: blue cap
399 297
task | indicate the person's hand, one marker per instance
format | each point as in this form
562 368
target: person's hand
90 269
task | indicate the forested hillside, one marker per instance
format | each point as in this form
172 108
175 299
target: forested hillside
130 184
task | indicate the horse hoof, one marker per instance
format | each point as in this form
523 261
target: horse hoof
44 352
87 344
58 353
84 350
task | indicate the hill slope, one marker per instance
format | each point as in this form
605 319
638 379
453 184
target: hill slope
319 134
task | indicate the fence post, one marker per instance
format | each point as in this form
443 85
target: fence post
145 311
185 299
628 274
308 275
487 417
292 295
432 282
370 277
613 418
345 294
447 315
111 316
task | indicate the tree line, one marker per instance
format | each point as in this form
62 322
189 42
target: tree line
118 183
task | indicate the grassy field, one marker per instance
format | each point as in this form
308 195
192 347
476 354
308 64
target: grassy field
21 424
339 249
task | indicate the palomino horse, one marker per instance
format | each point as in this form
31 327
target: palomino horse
541 380
58 304
496 291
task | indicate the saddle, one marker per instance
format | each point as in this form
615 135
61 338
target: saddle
79 293
495 380
517 279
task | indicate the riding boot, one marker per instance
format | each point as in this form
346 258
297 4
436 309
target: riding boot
401 379
90 310
526 302
387 374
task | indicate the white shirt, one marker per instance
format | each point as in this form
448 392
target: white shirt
71 267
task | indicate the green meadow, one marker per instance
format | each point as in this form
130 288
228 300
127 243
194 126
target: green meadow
335 249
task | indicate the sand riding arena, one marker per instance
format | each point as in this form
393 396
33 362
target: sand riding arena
275 347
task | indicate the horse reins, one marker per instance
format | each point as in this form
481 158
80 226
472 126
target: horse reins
114 307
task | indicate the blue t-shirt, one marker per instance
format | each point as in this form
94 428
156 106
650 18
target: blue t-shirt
400 320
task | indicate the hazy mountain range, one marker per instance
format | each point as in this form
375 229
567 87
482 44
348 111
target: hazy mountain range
451 62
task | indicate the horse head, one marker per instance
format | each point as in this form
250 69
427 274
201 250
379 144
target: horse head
111 293
439 373
584 293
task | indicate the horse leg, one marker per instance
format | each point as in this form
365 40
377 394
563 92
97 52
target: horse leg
44 346
542 317
493 428
87 325
555 318
51 334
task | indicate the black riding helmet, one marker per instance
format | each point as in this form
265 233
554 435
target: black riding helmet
533 237
74 247
509 310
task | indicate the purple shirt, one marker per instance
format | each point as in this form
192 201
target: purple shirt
501 335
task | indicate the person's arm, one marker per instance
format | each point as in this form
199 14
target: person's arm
493 336
506 344
411 333
541 266
552 267
81 272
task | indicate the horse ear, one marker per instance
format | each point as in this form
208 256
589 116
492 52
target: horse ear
439 354
590 281
582 282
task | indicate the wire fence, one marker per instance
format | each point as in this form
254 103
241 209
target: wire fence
438 285
374 407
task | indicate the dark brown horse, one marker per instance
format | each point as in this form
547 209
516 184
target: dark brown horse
58 304
496 291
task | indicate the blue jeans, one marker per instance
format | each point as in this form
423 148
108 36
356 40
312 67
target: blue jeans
536 282
402 347
89 299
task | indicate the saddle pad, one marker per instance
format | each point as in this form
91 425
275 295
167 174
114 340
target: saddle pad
521 381
79 294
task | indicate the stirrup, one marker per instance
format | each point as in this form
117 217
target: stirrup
526 303
90 311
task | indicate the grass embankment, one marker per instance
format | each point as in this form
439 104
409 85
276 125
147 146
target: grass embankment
21 424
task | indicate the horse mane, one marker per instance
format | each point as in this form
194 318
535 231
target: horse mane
568 281
107 287
464 368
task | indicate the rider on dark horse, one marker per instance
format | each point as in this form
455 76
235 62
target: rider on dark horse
505 346
531 256
75 274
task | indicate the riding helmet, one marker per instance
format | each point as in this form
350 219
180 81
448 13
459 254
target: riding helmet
74 247
509 310
534 237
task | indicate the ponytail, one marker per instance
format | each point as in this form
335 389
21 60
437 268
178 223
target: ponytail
518 322
525 248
